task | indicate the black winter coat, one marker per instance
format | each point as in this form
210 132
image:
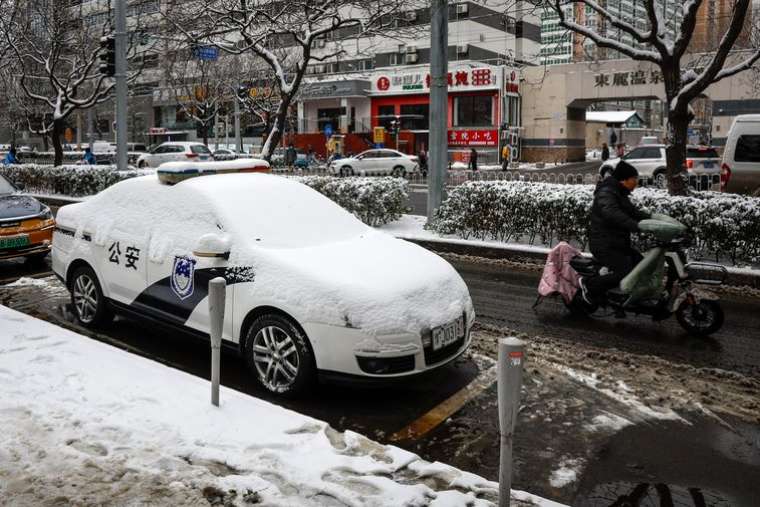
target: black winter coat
613 217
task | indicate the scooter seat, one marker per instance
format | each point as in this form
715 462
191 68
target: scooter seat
584 264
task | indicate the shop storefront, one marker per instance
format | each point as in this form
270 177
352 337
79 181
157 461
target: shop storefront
476 103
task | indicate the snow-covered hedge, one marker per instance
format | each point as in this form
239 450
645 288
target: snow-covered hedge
375 201
71 180
723 226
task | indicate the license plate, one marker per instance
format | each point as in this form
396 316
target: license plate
448 333
708 165
14 242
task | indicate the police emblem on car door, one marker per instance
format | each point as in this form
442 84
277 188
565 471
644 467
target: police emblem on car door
182 277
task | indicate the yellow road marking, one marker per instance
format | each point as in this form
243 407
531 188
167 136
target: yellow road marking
446 408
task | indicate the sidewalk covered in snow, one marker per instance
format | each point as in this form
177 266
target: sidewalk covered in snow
82 422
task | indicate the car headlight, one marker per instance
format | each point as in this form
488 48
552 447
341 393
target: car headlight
46 214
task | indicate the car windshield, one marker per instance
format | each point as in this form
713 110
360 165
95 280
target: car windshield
274 212
199 148
701 153
5 187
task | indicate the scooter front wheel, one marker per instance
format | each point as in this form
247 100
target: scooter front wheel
700 319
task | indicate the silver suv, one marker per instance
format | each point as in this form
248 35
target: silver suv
650 161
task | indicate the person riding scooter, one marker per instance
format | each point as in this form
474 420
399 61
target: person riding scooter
613 219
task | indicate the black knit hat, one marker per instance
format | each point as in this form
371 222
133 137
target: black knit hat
624 170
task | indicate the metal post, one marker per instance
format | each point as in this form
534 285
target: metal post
217 289
120 45
510 366
438 155
238 137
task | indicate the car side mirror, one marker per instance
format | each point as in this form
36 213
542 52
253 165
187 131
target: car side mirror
19 186
213 245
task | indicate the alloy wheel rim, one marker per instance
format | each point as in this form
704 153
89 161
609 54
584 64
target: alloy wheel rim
275 358
85 298
699 316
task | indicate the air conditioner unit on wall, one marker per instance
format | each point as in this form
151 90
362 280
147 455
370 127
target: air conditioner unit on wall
412 58
462 49
463 8
411 49
411 15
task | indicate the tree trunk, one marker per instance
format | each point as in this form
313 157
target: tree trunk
675 152
275 135
58 128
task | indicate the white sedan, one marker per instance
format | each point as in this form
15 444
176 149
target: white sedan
310 288
174 152
380 161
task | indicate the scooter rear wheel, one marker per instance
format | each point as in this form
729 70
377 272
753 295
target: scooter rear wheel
700 319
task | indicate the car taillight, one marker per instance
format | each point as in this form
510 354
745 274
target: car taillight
191 155
689 163
725 175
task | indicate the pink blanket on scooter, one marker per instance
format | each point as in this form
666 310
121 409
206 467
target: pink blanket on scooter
559 277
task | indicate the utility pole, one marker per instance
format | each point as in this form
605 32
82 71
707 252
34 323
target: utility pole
438 153
238 137
120 60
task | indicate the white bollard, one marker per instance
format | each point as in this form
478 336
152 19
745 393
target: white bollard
217 289
510 365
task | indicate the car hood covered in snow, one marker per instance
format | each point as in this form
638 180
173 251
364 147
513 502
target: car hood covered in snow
17 206
373 282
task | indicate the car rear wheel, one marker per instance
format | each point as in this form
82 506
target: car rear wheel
659 178
398 171
142 165
606 171
90 307
279 355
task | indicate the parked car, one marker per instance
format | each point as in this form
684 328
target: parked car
137 147
225 154
26 225
310 288
740 168
382 161
174 151
651 162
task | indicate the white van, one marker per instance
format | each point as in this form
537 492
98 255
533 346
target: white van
740 169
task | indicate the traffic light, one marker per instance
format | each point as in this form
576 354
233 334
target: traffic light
107 55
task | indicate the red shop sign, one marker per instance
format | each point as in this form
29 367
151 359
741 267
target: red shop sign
473 138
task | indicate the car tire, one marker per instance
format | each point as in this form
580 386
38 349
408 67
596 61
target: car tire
659 180
398 171
142 164
605 171
87 299
346 170
279 355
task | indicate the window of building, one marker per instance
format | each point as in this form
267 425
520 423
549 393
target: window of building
415 117
395 59
473 111
386 114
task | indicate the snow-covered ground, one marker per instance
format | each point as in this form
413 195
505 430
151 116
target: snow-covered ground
83 423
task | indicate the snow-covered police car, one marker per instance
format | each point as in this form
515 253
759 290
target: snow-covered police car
310 288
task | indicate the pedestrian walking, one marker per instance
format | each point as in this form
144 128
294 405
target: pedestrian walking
423 161
505 153
620 150
10 157
290 156
89 158
605 152
473 160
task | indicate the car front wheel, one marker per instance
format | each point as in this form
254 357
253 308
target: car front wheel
346 171
660 180
279 355
90 307
142 164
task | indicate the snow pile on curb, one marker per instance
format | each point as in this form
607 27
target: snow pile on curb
70 180
722 225
84 423
374 201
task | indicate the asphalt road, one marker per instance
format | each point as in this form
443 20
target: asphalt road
503 297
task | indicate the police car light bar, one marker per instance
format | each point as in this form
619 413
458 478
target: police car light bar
171 173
